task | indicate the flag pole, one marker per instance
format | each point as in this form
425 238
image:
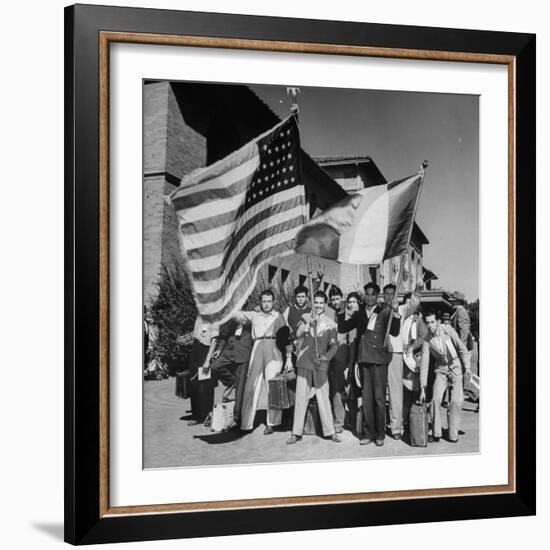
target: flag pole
422 170
293 93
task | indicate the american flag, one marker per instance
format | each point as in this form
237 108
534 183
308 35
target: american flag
237 214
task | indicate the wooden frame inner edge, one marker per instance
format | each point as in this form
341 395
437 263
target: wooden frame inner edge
105 39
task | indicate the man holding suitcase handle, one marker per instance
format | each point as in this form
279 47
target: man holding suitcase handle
451 363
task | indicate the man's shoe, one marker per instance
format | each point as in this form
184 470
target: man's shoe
397 437
379 442
452 440
268 430
232 426
335 439
293 439
433 439
339 430
365 441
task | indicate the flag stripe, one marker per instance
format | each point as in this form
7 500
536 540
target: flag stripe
190 223
207 224
246 280
366 241
223 252
202 197
215 277
220 175
225 238
238 187
402 200
193 215
240 296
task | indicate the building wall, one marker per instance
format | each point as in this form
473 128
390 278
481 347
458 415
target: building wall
171 149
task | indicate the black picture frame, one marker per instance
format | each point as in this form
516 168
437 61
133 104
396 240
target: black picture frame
86 521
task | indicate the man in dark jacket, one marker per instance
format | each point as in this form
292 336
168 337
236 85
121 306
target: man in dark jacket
373 357
231 359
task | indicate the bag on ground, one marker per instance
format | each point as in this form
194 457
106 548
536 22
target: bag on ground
471 389
419 425
182 384
312 424
280 396
222 416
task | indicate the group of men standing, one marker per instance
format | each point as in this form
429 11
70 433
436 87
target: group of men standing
339 352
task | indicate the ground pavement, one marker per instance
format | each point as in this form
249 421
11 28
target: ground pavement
169 442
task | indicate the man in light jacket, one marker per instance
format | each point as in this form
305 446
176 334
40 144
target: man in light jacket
451 361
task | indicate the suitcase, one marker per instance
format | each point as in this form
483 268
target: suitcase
359 421
280 395
312 424
222 416
418 425
202 398
471 389
182 384
353 419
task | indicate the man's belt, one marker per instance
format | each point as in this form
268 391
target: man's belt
265 338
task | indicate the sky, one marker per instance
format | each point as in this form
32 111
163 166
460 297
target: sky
399 130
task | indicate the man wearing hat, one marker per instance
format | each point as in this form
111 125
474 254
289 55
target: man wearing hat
446 318
373 357
460 320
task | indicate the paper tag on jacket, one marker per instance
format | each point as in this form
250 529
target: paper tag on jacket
372 321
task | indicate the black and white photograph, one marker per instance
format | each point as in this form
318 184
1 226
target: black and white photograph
310 274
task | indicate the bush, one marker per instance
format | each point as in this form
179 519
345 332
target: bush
173 315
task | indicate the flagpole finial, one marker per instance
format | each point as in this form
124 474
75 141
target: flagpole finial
423 167
293 92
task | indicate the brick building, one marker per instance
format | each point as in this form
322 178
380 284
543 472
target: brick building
191 125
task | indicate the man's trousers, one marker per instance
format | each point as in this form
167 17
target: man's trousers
395 387
266 362
201 391
229 373
309 383
447 377
337 378
374 379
